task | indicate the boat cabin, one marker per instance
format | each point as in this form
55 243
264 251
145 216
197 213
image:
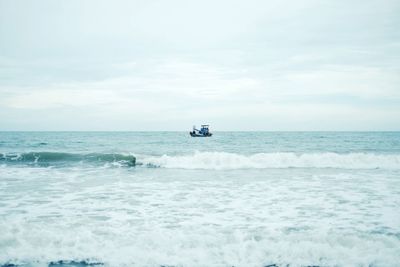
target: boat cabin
204 129
203 132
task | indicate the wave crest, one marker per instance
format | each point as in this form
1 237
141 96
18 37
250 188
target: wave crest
227 161
48 158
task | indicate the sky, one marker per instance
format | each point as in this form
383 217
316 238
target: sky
272 65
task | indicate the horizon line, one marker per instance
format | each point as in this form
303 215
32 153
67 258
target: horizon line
94 131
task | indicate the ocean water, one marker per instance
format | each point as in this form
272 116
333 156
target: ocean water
166 199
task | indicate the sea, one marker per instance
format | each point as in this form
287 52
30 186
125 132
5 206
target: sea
153 199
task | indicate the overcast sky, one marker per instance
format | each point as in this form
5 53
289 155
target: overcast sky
166 65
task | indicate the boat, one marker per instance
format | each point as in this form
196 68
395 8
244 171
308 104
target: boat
203 132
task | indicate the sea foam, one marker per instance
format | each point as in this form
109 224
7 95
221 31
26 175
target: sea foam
227 161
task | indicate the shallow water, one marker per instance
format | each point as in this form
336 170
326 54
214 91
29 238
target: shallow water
235 199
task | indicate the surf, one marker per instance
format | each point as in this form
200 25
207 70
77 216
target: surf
277 160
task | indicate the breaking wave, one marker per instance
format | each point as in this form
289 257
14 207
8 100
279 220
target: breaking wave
60 263
50 158
227 161
214 160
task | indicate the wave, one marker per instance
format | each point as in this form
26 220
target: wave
213 160
63 263
227 161
49 158
60 263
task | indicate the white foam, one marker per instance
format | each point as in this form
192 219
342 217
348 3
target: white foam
227 161
158 217
191 247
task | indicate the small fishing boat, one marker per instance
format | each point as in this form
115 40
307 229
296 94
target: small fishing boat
203 132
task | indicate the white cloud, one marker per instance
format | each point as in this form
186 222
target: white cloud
289 63
359 81
180 92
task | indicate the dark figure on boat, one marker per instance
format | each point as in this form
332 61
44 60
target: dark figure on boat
203 132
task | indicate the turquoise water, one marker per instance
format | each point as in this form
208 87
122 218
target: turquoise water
159 143
166 199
